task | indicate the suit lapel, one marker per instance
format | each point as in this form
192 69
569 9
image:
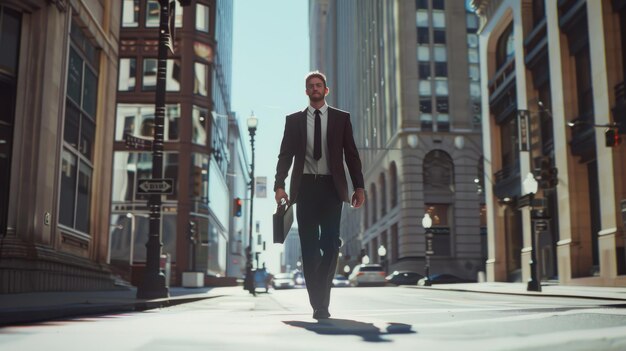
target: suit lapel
302 123
330 128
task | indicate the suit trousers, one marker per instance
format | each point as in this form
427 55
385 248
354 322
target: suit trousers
318 212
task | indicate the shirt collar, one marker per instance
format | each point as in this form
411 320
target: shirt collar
322 109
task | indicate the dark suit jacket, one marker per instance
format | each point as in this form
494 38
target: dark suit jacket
340 144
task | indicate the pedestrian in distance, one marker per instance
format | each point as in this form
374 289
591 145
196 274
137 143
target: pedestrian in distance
317 140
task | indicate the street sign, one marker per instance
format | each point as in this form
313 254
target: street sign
137 143
155 186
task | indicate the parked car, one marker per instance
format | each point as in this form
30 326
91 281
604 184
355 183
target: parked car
444 278
262 279
367 274
403 278
283 281
298 278
340 281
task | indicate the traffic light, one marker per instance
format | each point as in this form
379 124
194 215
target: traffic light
548 174
237 205
612 137
192 231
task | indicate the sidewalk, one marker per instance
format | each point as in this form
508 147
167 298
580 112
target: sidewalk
43 306
547 289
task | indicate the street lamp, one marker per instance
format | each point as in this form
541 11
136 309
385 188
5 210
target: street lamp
249 280
153 284
382 253
530 188
365 259
427 222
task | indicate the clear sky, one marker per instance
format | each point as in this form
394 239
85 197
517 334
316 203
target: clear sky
270 61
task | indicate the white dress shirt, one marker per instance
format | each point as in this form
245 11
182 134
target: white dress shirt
312 166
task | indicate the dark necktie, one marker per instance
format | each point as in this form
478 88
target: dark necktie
317 137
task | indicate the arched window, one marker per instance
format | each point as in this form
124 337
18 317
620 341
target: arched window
382 183
438 172
506 47
393 178
373 203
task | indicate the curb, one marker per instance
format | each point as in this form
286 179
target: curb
542 294
48 313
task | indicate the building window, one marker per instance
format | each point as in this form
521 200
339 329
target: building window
438 5
172 73
472 41
424 87
439 36
441 87
423 69
438 170
426 105
426 121
383 194
443 122
152 13
422 35
505 47
199 121
440 53
393 175
127 74
199 183
138 120
422 18
472 22
472 56
439 19
79 133
442 104
474 73
374 204
423 53
202 18
441 69
421 4
130 13
201 72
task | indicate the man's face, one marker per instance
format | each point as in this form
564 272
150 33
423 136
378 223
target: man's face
316 90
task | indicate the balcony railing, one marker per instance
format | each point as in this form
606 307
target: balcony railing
507 182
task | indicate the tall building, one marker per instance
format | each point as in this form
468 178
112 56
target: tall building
196 150
553 73
408 73
292 252
58 69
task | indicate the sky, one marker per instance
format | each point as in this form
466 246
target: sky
270 61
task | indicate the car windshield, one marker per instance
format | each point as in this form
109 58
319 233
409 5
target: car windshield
371 269
340 277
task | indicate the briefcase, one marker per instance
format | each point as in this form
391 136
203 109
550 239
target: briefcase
283 219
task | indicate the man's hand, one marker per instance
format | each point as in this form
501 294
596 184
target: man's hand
358 197
281 194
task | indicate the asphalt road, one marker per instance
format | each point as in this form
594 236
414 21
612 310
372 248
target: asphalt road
362 319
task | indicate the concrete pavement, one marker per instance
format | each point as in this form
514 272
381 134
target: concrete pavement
43 306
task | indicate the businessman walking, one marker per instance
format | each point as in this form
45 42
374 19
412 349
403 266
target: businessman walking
317 141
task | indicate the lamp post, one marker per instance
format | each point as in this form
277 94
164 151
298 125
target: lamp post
382 253
530 188
427 222
249 279
153 284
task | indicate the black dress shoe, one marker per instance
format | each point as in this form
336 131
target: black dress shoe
321 313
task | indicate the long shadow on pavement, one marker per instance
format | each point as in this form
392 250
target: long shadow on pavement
368 331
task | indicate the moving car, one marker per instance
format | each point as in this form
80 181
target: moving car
404 278
340 281
444 278
283 281
367 274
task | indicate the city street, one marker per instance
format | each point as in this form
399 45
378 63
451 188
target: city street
398 318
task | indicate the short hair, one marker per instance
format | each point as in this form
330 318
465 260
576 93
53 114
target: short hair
315 74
